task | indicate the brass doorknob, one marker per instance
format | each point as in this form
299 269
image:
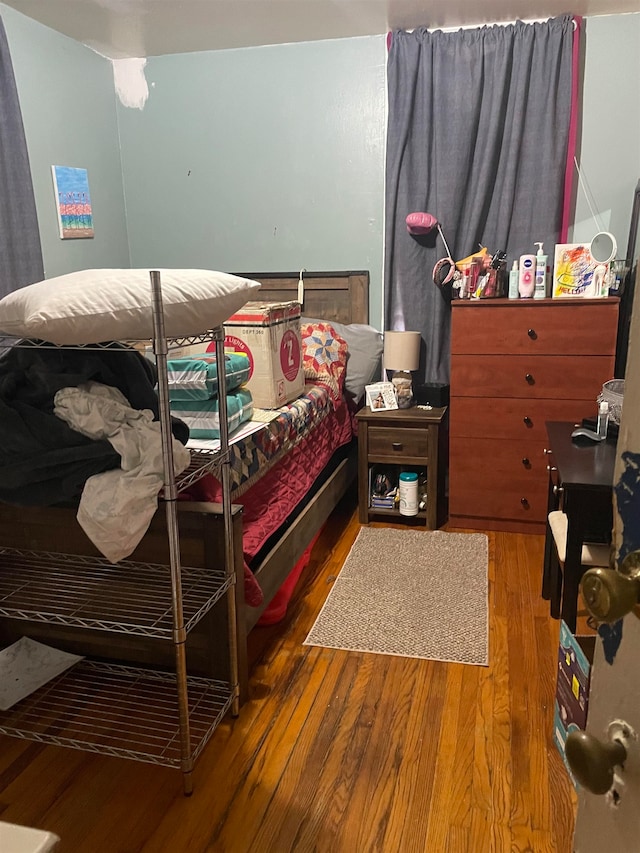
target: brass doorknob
608 594
592 761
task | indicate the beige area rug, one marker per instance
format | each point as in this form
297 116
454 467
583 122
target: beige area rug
411 593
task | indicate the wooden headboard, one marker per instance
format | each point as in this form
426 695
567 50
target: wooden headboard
339 296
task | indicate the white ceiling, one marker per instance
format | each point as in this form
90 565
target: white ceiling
140 28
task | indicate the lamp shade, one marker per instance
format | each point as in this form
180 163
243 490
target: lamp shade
401 350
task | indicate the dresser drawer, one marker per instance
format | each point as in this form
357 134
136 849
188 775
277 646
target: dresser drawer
517 418
491 479
386 441
530 377
552 328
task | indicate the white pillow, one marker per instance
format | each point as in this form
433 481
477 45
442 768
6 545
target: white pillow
92 306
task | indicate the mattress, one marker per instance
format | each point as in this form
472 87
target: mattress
273 469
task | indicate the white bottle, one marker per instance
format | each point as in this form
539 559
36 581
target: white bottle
408 489
540 288
527 277
513 281
603 418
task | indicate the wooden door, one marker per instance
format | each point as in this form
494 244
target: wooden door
612 821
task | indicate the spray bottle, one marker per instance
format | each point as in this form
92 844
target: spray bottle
513 281
540 289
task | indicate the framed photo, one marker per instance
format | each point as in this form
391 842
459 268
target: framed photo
381 397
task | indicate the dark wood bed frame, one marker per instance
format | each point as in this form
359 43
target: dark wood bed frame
338 296
344 298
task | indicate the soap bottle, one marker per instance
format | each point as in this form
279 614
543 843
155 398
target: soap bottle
540 288
513 281
527 276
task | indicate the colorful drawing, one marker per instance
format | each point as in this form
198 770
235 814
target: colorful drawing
73 202
575 273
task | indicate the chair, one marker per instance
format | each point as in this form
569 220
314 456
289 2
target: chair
562 592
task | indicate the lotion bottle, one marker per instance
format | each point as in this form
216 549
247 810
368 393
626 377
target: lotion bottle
540 288
513 281
527 276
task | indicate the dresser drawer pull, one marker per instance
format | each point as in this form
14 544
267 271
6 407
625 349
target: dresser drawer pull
552 468
529 378
557 490
524 502
532 334
527 421
526 462
396 445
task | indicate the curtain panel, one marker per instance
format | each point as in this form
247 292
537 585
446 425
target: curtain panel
20 250
478 136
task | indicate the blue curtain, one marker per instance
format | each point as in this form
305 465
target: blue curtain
477 136
20 250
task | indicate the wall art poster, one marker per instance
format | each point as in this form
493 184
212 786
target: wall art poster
576 273
73 202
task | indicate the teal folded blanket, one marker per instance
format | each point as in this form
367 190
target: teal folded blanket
195 377
203 418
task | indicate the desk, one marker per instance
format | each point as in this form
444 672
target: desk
580 483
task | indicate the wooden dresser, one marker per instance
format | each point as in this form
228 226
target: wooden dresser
516 364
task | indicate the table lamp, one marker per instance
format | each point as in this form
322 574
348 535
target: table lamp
402 355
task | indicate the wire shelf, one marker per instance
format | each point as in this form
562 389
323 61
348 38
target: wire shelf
91 592
172 343
202 462
118 710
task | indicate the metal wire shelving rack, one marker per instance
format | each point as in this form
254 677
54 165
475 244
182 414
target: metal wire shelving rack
129 711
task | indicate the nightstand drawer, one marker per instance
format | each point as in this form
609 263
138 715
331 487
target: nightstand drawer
385 441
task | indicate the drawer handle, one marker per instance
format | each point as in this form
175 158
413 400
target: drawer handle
524 502
527 421
547 451
557 490
532 334
552 468
526 462
529 378
396 445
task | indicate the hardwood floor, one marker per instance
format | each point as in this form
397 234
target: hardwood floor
341 752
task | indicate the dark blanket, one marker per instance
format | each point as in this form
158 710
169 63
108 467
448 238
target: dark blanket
42 460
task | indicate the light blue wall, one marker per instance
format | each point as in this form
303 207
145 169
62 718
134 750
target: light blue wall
609 150
261 159
267 158
69 113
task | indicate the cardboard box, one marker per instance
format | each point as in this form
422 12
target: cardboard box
269 333
575 656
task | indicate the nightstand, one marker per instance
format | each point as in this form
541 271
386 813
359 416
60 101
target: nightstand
404 439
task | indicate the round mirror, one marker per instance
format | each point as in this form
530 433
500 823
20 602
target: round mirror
603 247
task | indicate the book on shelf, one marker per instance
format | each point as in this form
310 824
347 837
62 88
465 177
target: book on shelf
383 503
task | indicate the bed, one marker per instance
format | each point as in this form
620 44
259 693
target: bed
278 548
290 476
